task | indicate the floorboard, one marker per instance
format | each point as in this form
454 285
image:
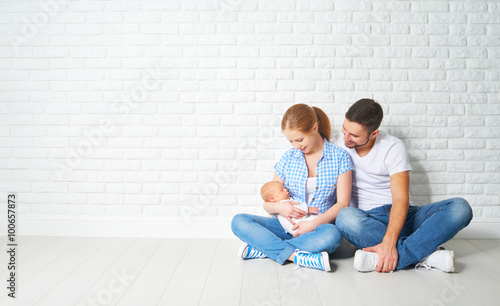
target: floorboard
40 255
118 278
145 271
41 282
223 285
335 288
186 286
87 274
148 287
477 279
489 246
298 287
260 284
27 248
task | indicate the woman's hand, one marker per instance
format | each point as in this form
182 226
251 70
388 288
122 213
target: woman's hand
289 210
312 210
303 227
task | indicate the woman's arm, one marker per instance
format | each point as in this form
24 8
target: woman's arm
344 184
285 209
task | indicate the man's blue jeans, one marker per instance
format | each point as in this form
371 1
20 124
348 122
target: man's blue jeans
426 227
266 234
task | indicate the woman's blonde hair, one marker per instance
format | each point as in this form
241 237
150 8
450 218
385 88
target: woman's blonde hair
302 117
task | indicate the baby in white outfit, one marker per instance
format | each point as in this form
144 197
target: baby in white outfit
275 192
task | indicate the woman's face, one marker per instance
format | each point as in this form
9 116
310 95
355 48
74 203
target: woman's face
301 141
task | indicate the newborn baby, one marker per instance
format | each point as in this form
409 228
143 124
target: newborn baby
275 192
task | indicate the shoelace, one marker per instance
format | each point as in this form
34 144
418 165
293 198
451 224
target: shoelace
255 254
423 264
308 260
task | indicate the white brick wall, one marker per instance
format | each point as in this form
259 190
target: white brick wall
168 108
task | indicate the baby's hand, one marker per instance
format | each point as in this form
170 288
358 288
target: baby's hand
293 202
312 210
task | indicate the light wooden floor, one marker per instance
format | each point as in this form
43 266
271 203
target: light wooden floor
130 271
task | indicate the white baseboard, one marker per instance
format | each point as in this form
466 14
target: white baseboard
171 227
94 226
481 228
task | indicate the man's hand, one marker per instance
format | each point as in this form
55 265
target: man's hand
387 252
387 256
303 227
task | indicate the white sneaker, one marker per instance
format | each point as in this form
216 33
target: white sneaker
440 260
247 252
365 261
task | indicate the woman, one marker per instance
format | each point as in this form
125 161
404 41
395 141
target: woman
314 171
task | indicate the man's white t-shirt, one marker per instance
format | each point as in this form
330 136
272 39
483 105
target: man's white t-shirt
371 175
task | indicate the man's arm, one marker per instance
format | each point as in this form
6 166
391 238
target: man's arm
387 252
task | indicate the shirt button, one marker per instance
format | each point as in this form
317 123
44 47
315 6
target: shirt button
317 175
313 199
316 188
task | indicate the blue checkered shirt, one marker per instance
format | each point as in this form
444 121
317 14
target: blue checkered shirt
292 168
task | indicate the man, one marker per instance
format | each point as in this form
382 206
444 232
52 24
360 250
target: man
391 233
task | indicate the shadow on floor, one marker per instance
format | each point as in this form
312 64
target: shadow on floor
345 250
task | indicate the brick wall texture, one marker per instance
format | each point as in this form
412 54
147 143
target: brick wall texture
173 108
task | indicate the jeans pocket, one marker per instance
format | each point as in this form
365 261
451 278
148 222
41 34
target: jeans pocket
388 208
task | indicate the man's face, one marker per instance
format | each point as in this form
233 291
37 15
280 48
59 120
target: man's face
355 135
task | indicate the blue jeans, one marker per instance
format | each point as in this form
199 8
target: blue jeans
266 234
426 227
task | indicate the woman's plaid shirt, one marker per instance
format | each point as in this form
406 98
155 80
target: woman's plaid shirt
292 169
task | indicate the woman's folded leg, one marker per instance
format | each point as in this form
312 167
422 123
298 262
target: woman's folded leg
264 234
325 238
268 236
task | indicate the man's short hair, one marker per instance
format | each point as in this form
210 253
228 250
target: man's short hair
366 112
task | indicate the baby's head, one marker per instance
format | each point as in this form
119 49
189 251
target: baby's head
274 192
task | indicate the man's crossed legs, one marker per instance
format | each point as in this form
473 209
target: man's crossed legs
425 229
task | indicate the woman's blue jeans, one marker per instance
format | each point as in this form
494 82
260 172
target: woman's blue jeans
265 234
426 227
